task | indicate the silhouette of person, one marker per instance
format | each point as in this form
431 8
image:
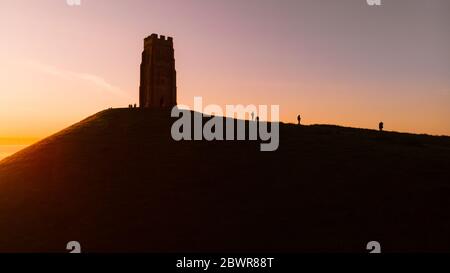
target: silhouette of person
380 126
135 105
253 115
299 119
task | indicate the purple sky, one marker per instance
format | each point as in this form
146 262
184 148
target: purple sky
336 62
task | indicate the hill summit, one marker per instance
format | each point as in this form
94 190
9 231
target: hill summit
118 182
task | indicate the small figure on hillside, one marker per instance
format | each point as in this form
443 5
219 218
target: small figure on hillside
380 126
299 119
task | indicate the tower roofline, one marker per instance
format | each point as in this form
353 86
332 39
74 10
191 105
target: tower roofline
155 36
160 39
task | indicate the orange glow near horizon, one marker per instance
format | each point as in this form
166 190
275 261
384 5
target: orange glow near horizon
60 64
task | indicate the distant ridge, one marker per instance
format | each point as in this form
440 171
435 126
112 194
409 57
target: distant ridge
117 182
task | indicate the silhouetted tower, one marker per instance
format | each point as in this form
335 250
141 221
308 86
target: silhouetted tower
158 87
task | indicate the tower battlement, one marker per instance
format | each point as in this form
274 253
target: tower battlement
156 39
158 86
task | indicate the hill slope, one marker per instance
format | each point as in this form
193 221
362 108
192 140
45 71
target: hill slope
118 182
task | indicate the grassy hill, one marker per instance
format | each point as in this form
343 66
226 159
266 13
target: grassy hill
116 181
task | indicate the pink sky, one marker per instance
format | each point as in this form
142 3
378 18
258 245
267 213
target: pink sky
334 62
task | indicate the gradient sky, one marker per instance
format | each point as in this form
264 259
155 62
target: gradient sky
335 62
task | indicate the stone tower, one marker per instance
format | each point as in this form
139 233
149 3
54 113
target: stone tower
158 86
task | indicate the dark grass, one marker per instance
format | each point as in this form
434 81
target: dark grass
117 182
